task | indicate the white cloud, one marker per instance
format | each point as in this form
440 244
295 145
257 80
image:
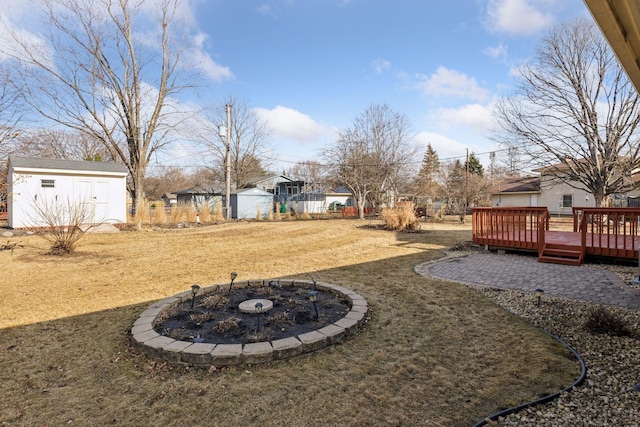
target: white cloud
380 65
199 59
518 16
264 9
445 147
496 52
451 83
473 116
292 124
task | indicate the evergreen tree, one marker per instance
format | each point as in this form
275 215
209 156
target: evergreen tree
427 180
474 165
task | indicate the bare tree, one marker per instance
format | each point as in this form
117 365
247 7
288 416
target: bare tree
167 179
110 70
309 171
575 113
60 144
373 155
249 142
9 111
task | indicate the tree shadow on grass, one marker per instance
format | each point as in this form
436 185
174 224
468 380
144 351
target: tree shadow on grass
434 353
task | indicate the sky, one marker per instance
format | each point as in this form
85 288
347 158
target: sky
309 67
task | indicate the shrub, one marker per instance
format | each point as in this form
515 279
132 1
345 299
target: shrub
400 217
178 213
217 212
602 321
258 213
227 325
190 213
62 225
205 213
200 318
159 215
214 301
277 216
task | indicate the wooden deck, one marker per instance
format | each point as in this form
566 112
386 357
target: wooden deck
602 232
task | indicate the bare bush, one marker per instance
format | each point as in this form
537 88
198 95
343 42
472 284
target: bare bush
62 225
602 321
400 217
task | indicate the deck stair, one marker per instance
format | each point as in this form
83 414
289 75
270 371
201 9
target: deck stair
555 253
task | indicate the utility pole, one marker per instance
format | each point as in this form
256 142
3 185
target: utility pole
227 163
466 184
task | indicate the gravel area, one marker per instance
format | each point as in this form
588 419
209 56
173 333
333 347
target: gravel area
607 397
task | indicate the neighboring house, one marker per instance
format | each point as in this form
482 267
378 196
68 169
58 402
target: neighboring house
546 190
248 202
521 191
321 201
63 186
170 200
281 187
199 196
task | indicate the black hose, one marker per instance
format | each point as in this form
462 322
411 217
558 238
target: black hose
545 399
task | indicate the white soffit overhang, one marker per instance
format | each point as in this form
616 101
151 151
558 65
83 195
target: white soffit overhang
619 21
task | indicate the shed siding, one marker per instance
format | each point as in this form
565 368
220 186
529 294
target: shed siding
104 195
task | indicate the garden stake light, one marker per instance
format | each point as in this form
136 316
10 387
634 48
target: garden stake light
258 310
313 297
539 293
194 291
233 277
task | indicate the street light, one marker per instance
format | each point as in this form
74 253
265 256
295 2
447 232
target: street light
225 134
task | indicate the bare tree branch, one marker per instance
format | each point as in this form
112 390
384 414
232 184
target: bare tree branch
112 70
575 113
371 158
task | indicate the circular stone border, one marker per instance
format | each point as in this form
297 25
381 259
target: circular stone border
187 353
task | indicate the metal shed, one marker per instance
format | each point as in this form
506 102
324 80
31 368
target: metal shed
246 202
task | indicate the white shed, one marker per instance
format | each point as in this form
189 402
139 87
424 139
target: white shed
35 184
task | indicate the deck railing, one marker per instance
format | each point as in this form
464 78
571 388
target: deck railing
610 232
515 227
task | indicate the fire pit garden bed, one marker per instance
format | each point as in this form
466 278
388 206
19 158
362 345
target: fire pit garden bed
278 320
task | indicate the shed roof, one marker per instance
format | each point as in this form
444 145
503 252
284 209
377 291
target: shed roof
251 191
518 185
198 189
65 165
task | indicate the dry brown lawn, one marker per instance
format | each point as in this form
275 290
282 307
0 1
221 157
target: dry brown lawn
434 353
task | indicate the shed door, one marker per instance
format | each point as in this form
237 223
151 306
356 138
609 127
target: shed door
101 197
84 197
93 197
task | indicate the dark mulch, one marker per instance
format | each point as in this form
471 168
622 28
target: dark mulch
216 318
